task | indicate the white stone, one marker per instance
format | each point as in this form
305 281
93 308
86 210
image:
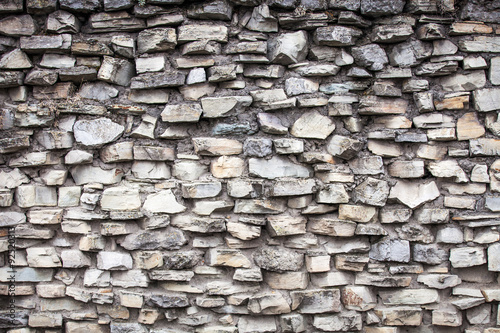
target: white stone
95 133
163 202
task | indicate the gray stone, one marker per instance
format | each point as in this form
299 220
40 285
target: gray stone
289 48
262 20
486 99
372 192
95 133
16 26
278 259
336 36
211 10
343 322
271 124
258 147
429 254
381 7
410 53
214 107
343 147
371 56
391 33
414 194
156 40
158 80
277 167
151 240
99 91
391 250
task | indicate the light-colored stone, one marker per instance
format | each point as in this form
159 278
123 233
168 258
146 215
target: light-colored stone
312 125
95 133
163 202
414 194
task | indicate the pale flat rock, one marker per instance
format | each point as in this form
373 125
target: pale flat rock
313 125
97 132
163 202
414 194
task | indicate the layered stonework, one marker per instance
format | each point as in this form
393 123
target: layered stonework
249 166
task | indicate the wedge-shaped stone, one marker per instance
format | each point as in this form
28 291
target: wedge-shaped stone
409 297
197 224
336 36
163 202
277 167
200 190
194 32
243 231
12 219
217 147
370 56
414 194
261 19
359 298
268 304
156 40
96 132
400 316
331 227
283 225
62 22
15 59
214 107
181 113
313 125
343 322
316 301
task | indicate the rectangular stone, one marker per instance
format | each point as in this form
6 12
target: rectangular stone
480 44
193 32
373 105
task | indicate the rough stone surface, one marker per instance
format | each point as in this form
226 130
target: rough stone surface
250 166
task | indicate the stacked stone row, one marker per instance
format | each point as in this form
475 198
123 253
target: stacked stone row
249 166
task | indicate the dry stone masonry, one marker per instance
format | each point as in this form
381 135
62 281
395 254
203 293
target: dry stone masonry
249 166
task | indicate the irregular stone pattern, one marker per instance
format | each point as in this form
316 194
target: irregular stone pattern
250 166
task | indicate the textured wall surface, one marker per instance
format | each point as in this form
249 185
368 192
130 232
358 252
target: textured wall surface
247 166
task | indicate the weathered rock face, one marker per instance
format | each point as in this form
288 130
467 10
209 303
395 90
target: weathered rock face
250 166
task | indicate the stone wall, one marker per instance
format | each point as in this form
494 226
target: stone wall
246 166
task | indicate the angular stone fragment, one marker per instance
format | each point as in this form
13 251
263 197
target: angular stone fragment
94 133
410 53
269 304
252 324
43 257
381 7
289 48
391 33
313 125
116 71
316 301
16 26
400 316
372 192
332 227
277 167
439 281
336 36
15 59
333 194
62 22
414 194
371 56
278 259
163 202
486 99
214 107
259 206
11 79
494 258
181 113
343 322
429 254
227 167
343 147
391 250
156 40
262 20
